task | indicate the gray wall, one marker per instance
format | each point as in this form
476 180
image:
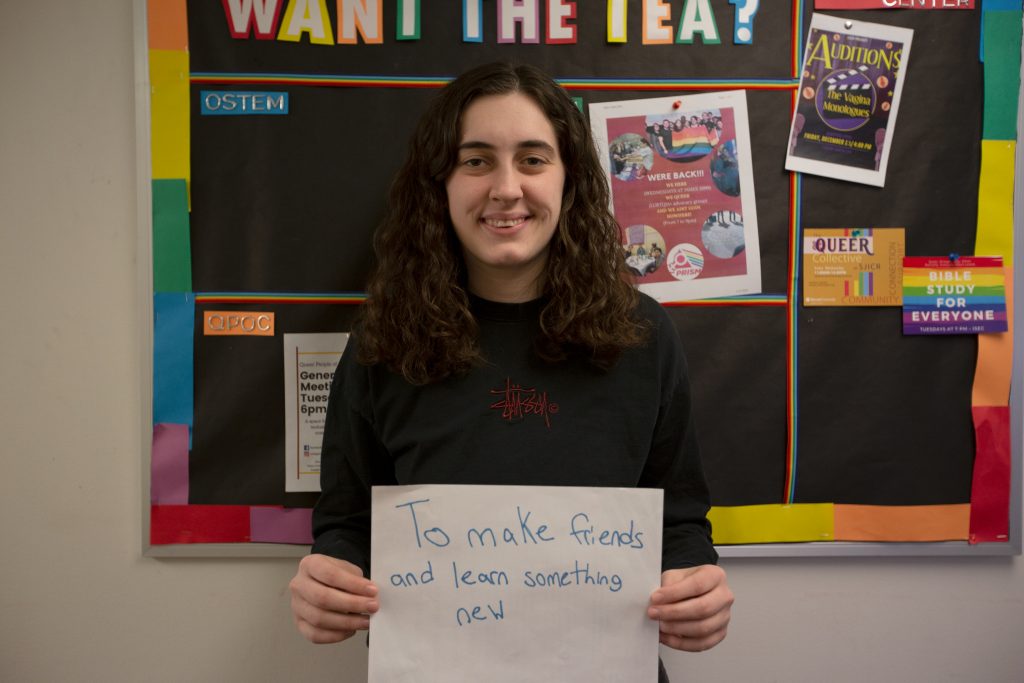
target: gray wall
79 603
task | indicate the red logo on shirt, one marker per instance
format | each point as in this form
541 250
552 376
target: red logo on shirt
516 403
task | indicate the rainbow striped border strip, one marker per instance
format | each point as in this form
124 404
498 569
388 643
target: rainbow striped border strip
792 335
673 84
747 300
359 81
280 298
360 297
792 305
346 81
797 31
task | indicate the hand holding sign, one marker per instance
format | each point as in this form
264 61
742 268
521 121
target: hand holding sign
330 599
693 607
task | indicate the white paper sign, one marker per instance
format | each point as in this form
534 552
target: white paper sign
514 583
309 364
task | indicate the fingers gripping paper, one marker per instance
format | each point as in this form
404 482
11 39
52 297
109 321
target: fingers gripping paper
514 583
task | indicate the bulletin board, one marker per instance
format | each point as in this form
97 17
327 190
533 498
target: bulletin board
823 430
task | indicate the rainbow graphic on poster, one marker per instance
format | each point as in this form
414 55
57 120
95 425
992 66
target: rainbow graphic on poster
954 295
862 285
691 143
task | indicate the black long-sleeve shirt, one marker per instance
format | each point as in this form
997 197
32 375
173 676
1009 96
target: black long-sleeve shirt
517 420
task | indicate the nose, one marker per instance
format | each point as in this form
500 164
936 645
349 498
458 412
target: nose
506 184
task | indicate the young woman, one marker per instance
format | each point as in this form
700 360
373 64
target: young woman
502 343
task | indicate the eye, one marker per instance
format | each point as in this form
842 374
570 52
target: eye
534 161
473 162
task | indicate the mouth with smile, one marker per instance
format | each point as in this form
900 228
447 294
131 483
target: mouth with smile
504 223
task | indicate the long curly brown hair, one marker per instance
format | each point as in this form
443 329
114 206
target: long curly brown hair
417 319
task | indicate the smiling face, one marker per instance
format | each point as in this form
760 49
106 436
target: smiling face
505 195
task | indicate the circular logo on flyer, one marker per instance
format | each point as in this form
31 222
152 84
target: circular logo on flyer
685 261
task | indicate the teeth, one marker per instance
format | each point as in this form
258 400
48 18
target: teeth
506 223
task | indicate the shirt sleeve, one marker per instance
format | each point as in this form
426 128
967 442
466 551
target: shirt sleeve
674 463
352 460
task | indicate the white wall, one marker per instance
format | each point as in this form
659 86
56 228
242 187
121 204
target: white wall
79 603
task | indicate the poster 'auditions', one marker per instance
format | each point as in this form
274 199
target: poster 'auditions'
849 93
682 187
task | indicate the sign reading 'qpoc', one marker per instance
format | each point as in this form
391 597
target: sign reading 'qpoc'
238 323
236 103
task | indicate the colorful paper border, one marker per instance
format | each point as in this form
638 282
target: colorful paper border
833 522
172 251
174 522
990 483
745 524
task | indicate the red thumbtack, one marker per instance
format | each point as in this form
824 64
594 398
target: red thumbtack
677 104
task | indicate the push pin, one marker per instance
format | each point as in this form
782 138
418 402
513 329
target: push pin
953 257
677 104
848 24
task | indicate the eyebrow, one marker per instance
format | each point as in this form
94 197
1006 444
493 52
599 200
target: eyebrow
525 144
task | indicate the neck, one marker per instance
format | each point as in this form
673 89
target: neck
506 289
